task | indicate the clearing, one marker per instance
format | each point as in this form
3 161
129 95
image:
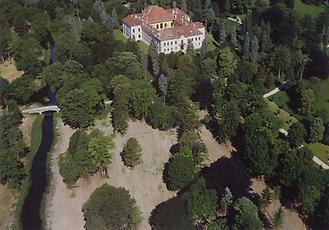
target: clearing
283 115
8 71
7 207
309 9
144 182
291 219
321 91
320 150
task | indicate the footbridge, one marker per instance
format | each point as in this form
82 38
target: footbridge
43 109
49 108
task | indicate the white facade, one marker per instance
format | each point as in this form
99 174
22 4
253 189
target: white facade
136 33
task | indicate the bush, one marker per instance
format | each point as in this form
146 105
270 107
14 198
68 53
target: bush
131 153
111 208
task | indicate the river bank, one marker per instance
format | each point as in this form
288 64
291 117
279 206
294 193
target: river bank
36 136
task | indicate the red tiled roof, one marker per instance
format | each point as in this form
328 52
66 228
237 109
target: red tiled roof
154 13
176 32
132 20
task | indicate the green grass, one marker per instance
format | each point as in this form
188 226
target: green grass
283 115
303 8
36 136
321 90
211 43
320 150
117 34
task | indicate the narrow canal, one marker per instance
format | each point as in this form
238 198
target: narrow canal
31 216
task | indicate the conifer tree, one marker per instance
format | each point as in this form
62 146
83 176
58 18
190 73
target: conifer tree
227 199
144 63
254 48
234 39
190 48
204 49
114 17
163 85
154 56
246 47
222 34
183 6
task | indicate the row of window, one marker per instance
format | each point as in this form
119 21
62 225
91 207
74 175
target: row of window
139 30
163 25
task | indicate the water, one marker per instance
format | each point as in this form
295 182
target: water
31 216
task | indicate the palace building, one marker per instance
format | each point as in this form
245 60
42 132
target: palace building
171 29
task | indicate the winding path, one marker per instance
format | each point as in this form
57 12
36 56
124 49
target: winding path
274 91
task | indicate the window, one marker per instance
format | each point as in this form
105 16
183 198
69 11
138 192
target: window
175 42
133 30
171 43
139 36
164 44
161 26
172 24
139 29
165 25
157 26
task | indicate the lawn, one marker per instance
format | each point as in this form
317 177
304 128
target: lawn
117 34
281 99
309 9
320 150
321 90
8 71
283 115
211 43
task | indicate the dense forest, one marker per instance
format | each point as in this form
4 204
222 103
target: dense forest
277 43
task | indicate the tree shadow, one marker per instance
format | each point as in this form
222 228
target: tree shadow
170 215
230 172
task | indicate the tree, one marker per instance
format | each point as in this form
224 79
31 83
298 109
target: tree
131 153
114 17
246 215
204 49
181 171
4 91
226 200
183 5
27 53
316 130
111 208
319 64
281 59
254 48
190 48
191 140
170 215
246 47
296 134
306 101
124 63
222 34
98 148
325 138
226 62
163 86
11 170
234 39
144 64
260 143
278 218
23 88
266 198
77 109
154 56
228 121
